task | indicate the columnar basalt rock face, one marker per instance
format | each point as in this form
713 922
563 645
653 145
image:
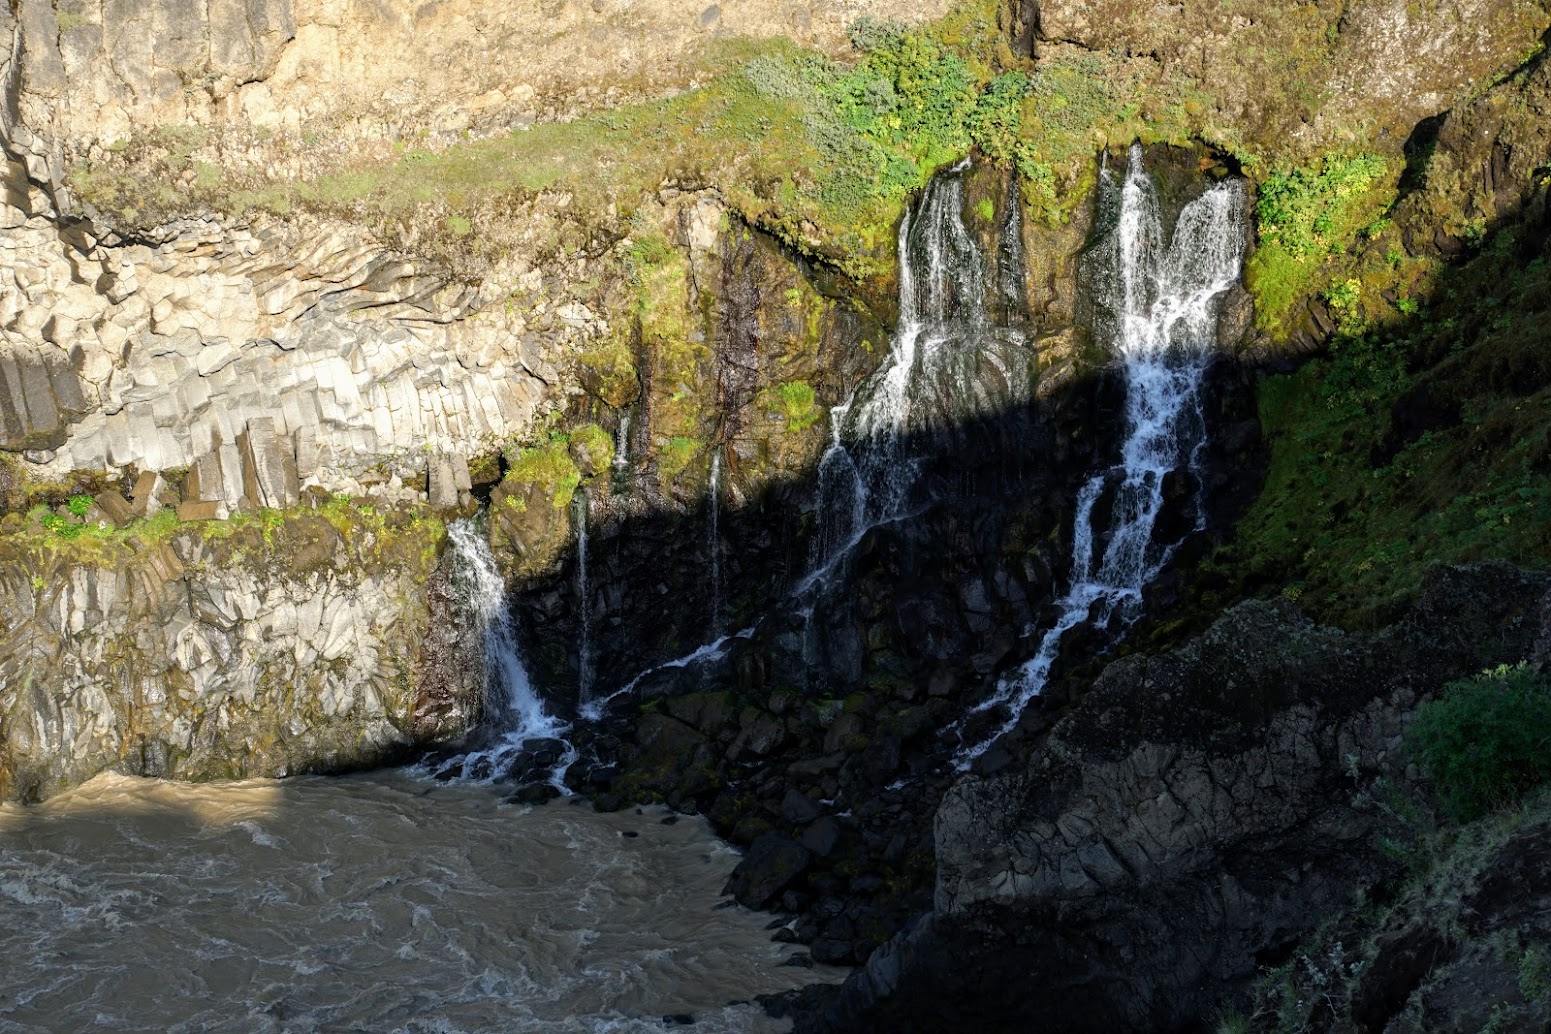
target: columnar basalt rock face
155 355
255 654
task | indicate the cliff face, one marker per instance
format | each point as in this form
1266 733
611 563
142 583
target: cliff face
1196 816
312 643
263 251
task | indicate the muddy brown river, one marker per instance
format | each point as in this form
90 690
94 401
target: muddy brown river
380 902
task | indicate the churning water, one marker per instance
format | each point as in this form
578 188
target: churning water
368 903
1159 301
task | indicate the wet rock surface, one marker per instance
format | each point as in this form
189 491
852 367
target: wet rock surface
1196 814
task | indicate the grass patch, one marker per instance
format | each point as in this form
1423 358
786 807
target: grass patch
549 466
1304 217
1486 741
796 403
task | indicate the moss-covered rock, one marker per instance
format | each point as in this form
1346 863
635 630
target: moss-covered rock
280 643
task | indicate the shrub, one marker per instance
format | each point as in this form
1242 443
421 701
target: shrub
548 466
80 505
1486 740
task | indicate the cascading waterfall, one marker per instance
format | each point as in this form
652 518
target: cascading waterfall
867 474
714 541
1162 300
946 362
515 704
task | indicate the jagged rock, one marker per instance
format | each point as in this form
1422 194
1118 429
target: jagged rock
771 864
268 466
1194 810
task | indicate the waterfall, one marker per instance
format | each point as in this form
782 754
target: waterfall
946 364
622 444
516 706
713 544
584 602
1159 302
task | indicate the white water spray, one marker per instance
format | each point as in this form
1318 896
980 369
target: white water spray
584 601
622 444
714 541
1163 299
518 706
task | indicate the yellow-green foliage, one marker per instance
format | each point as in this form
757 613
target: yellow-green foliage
592 448
608 371
795 401
1307 215
356 520
660 274
674 455
1355 507
548 466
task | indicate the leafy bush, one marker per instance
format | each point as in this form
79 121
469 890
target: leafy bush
674 455
1486 740
80 505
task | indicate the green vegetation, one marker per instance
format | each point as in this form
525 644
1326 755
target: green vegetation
1425 442
796 402
1305 216
1486 740
549 466
674 455
592 448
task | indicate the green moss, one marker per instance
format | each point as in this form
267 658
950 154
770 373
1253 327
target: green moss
550 467
795 401
1304 217
674 455
1424 443
609 372
592 448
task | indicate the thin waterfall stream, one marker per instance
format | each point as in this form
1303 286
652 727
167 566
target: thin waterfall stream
946 362
528 731
1163 299
584 602
714 541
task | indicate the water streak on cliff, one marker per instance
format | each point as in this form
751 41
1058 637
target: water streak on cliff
1158 304
516 707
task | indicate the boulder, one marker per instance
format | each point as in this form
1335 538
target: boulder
772 863
116 508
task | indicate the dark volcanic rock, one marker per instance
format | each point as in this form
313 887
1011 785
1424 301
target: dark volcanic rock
1197 813
772 863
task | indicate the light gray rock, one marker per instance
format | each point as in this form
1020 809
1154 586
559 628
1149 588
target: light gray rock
268 466
253 653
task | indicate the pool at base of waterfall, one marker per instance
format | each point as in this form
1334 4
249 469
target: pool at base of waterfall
380 902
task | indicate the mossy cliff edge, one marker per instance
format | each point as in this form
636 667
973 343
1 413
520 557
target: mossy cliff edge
575 309
285 642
